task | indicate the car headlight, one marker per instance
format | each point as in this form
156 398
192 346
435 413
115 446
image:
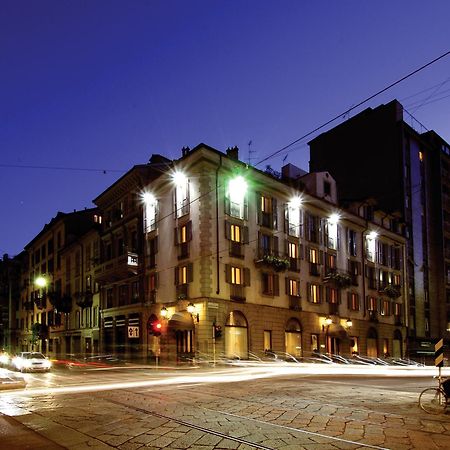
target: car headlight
47 364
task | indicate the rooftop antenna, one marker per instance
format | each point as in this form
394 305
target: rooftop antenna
250 151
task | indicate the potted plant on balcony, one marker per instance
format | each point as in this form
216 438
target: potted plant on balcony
277 263
341 280
391 291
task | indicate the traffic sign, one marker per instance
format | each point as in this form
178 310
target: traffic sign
439 353
133 332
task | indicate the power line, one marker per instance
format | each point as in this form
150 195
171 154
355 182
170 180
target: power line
355 106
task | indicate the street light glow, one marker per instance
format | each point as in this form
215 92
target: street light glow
40 281
179 178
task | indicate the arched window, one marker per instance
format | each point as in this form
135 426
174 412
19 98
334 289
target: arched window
397 344
372 345
236 336
293 337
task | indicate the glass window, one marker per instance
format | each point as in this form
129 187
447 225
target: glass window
267 340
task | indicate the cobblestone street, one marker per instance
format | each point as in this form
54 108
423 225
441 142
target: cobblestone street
277 413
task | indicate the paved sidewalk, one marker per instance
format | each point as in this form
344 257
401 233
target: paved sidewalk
15 436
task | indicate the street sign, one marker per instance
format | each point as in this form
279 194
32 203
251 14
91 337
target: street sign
133 332
439 353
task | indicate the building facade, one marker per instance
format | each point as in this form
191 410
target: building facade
403 169
205 256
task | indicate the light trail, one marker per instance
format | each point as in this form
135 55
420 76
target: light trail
238 375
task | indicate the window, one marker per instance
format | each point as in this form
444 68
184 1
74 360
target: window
293 287
385 308
293 220
237 275
109 298
397 309
314 293
332 234
396 279
267 213
236 198
235 233
313 228
151 206
183 235
327 188
354 270
352 240
267 340
292 250
270 284
314 262
353 301
268 245
371 304
332 295
152 251
181 196
330 262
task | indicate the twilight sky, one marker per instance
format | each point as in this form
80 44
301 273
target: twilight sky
103 84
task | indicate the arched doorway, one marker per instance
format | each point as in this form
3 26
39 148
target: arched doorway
397 344
181 335
236 336
335 334
293 337
372 343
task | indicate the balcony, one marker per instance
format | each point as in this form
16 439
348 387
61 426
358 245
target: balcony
294 264
237 292
295 303
236 249
182 291
183 250
333 309
84 299
314 269
277 263
337 278
117 268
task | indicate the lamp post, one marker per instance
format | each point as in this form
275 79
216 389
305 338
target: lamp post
192 310
325 326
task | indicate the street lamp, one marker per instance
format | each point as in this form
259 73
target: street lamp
349 323
164 312
325 326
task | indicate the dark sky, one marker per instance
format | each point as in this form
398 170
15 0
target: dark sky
104 84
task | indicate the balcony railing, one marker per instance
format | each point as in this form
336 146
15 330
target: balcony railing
118 268
236 249
182 291
237 292
295 303
314 269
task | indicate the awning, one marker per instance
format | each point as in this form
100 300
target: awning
337 330
181 320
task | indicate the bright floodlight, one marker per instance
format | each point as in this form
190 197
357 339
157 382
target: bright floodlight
334 218
179 178
40 281
148 198
372 235
295 202
237 187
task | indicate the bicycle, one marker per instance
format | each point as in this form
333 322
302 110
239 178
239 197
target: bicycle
435 400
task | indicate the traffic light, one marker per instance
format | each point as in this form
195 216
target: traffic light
217 331
154 326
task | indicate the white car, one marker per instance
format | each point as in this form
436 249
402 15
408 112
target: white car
31 361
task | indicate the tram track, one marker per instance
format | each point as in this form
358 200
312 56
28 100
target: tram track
315 437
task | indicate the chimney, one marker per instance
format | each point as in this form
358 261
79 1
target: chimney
233 153
185 151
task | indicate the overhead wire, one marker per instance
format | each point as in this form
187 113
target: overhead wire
370 97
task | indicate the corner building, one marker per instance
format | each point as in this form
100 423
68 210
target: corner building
234 261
